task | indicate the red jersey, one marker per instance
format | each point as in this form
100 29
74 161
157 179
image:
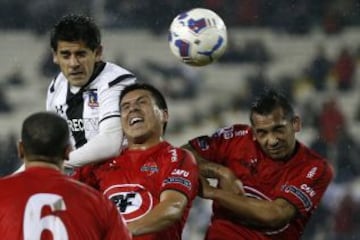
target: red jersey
301 180
42 203
135 180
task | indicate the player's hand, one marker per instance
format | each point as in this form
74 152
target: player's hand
229 182
205 189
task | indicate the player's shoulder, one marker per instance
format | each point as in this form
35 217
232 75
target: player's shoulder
176 154
58 83
314 162
308 153
113 74
5 180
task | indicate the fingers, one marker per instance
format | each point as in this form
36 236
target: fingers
238 185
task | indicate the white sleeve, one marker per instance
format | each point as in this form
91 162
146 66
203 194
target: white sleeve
106 144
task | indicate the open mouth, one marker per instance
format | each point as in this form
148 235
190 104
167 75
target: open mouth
135 120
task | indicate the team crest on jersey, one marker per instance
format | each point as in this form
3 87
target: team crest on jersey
150 168
93 99
132 200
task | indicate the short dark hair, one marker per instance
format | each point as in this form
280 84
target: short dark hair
157 95
268 101
75 27
45 134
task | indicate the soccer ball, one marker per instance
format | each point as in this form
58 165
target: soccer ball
198 37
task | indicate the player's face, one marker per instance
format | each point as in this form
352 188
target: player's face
275 133
76 61
141 119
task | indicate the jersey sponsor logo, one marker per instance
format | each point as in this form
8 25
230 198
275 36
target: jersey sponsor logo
178 180
226 132
308 190
132 200
241 133
86 124
180 172
312 172
93 99
174 155
306 201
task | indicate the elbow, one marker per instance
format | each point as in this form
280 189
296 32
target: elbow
175 213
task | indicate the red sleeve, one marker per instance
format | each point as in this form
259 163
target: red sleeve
306 186
181 174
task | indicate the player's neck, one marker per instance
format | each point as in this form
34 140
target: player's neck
136 145
43 161
42 164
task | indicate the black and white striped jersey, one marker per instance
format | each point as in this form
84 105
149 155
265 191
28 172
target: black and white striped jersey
96 101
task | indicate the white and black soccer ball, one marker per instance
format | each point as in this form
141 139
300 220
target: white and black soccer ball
198 37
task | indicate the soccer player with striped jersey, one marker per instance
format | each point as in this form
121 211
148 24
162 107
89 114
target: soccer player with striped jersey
41 202
269 183
87 90
151 182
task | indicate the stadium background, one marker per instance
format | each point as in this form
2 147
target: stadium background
309 49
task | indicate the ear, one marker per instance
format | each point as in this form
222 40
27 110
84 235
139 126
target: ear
20 149
164 116
68 149
55 58
98 53
296 122
254 137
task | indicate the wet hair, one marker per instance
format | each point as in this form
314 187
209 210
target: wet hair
73 28
268 101
45 135
156 94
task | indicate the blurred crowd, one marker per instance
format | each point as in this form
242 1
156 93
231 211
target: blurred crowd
301 16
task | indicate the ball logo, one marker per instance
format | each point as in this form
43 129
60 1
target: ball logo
132 200
197 25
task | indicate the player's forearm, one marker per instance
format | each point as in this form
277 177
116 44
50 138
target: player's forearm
104 145
259 213
162 216
206 168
